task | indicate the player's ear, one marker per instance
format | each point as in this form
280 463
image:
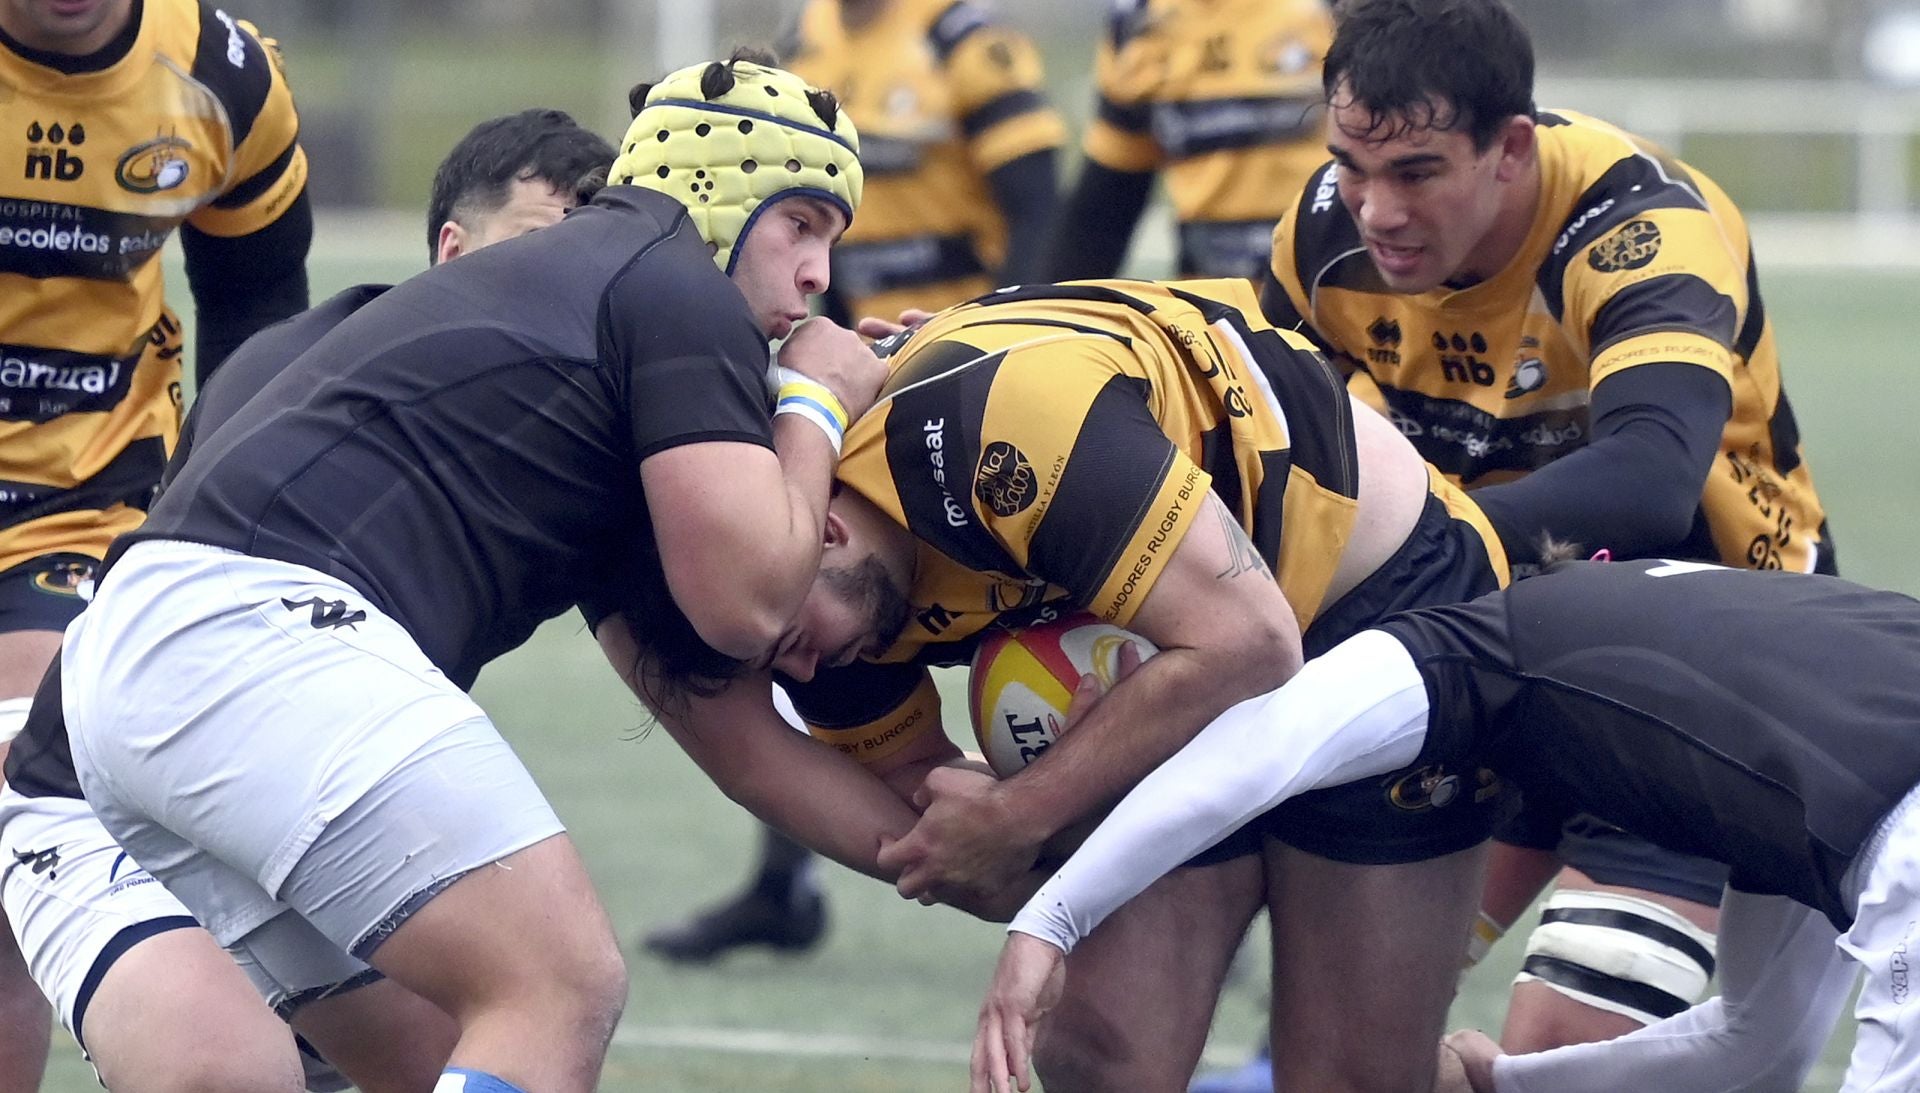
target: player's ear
452 244
1515 145
837 532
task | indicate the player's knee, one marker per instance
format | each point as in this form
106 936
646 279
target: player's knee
1621 954
594 982
1079 1051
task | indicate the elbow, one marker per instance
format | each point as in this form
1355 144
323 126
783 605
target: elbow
1270 654
744 632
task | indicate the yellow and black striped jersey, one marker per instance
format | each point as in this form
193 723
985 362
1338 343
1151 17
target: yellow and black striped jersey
944 93
1632 258
1223 98
1049 447
192 123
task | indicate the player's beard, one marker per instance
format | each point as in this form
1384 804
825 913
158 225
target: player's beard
882 601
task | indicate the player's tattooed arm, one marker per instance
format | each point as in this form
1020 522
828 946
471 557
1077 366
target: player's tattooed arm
1242 557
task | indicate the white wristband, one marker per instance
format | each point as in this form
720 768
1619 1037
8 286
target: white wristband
814 412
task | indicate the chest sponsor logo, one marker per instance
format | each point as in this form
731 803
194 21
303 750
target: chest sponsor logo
1463 440
1631 246
1462 357
1004 481
934 434
42 239
50 155
154 165
1385 335
1325 190
39 385
1579 222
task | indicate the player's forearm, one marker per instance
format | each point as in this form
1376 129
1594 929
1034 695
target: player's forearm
1027 195
1358 711
1135 727
1635 487
1097 222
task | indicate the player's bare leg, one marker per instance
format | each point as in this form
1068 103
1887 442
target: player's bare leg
522 954
26 1019
205 1031
1365 960
1141 989
1540 1017
383 1036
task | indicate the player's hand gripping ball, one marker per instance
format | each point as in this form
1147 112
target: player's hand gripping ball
1023 682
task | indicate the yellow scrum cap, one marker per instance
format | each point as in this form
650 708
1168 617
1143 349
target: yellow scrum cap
729 137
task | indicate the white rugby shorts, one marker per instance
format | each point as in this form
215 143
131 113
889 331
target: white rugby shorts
73 897
263 739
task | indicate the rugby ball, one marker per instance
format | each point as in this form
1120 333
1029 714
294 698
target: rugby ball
1023 681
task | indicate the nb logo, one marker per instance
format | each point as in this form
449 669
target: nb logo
327 614
43 861
47 160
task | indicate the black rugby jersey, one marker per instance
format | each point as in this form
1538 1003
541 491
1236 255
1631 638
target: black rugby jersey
1764 720
465 448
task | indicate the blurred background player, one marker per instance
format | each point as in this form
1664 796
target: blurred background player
959 143
95 912
130 119
1222 98
510 175
1568 321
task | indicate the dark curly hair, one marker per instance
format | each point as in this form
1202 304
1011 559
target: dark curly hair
1462 65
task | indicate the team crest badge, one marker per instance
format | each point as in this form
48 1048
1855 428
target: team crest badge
1631 246
1005 480
154 165
65 579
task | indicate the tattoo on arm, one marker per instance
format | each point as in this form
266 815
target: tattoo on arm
1241 555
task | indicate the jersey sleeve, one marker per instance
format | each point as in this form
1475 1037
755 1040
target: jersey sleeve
267 169
999 94
868 711
1120 134
1078 482
694 363
1664 286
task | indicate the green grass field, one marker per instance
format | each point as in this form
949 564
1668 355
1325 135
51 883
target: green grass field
888 1003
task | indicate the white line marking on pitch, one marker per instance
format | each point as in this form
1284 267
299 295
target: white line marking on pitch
745 1041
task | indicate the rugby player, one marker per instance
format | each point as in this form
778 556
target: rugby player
1761 720
433 472
1222 99
131 120
1158 455
1568 321
92 911
958 143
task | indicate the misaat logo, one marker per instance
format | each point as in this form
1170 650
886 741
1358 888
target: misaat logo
154 165
48 157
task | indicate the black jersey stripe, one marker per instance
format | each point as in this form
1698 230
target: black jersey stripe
1225 248
1755 323
1098 294
1119 460
250 189
1675 301
1465 441
1633 186
865 269
1217 459
45 240
881 156
1061 324
992 113
954 25
931 452
1657 932
1128 117
129 479
1625 992
1188 129
846 697
1783 432
233 65
38 385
